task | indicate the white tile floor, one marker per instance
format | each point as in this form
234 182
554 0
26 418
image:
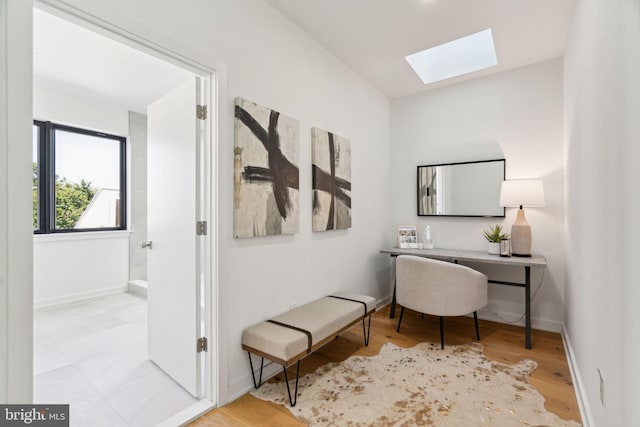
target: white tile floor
93 356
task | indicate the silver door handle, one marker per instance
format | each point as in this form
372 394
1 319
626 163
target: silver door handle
146 244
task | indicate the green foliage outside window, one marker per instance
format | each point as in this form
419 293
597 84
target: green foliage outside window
71 200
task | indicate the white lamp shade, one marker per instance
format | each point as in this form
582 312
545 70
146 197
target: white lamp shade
522 192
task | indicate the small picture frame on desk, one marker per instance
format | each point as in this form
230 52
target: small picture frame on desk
407 236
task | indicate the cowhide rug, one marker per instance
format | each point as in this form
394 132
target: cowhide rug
419 386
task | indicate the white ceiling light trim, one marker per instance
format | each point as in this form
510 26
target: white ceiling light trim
455 58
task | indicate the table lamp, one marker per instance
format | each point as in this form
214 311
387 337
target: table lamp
521 193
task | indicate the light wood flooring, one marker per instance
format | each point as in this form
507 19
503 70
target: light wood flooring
502 343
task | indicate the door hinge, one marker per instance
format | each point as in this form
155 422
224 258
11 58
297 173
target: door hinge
201 228
201 112
201 345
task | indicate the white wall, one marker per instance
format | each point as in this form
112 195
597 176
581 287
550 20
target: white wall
104 266
283 68
268 60
138 196
516 115
58 106
75 266
16 319
602 110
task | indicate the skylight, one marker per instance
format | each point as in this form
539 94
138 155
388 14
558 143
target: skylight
455 58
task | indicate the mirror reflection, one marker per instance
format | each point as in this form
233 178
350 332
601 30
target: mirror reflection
461 189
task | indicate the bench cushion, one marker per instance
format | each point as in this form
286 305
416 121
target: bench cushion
323 317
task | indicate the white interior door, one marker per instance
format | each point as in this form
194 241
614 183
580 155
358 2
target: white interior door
172 187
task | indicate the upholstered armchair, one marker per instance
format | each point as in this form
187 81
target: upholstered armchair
439 288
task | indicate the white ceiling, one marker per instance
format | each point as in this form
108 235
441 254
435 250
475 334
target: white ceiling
81 62
373 36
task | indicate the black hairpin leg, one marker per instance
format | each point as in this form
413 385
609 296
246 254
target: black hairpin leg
286 380
400 318
366 331
253 375
442 332
475 320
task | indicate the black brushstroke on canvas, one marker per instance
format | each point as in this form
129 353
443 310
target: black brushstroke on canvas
331 184
322 180
281 173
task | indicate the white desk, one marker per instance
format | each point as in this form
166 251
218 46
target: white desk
457 255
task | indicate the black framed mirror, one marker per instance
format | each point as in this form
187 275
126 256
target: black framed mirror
466 189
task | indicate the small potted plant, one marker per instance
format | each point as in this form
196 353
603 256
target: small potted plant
493 236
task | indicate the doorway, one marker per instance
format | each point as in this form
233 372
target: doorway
105 312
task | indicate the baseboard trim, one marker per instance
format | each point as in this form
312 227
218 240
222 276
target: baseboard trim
383 302
501 317
240 387
536 322
138 287
50 302
189 414
578 385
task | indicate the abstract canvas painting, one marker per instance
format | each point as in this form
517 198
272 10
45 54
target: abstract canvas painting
266 173
331 171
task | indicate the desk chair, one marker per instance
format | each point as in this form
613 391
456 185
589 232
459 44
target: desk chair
439 288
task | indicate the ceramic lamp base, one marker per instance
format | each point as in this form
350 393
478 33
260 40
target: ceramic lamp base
521 236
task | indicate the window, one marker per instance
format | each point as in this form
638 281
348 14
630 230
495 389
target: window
79 179
455 58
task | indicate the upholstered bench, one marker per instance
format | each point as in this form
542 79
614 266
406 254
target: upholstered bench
290 337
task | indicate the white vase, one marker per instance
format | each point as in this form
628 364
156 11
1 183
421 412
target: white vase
494 248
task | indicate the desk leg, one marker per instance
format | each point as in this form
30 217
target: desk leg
392 313
527 302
